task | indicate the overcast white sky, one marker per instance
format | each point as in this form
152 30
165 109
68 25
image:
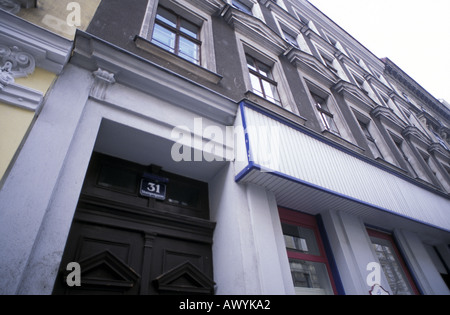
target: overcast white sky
414 34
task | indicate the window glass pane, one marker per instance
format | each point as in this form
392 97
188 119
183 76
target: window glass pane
290 39
329 123
271 92
265 70
256 85
251 63
118 178
164 38
310 278
365 129
320 102
391 266
165 16
189 50
189 29
241 6
183 195
300 239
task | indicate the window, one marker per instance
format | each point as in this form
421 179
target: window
329 62
370 140
399 145
243 6
309 265
360 82
440 140
325 115
177 35
261 79
392 264
291 39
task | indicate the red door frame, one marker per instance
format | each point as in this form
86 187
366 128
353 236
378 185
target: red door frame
390 239
307 221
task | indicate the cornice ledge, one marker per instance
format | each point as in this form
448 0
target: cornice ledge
413 133
353 93
131 70
255 29
438 149
50 51
310 63
392 69
210 6
387 114
21 96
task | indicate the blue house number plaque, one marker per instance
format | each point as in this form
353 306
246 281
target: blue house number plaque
153 188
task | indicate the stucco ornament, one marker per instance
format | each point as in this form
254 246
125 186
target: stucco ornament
14 63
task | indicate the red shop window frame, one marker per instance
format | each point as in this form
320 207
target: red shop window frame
390 239
307 221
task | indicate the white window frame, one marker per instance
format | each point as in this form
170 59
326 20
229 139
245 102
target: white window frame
321 51
283 25
253 5
312 86
375 134
191 13
246 46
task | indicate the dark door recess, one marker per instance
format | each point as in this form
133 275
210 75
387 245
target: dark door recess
129 243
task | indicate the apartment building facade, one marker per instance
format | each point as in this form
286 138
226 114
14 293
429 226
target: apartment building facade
220 147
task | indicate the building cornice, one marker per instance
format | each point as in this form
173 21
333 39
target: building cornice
388 116
438 150
414 134
279 11
93 53
50 51
311 65
255 29
22 97
355 94
422 94
210 6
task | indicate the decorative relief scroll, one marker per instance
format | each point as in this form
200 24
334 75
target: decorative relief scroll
14 63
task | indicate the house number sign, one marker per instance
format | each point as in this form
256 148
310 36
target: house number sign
153 187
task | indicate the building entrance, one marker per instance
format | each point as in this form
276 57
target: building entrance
138 230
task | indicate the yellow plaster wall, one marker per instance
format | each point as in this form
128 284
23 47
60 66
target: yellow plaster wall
52 15
15 121
14 124
41 80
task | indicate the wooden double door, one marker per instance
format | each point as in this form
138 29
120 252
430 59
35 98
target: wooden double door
127 243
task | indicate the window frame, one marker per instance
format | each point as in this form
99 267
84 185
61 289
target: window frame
262 78
328 62
307 221
178 34
325 112
366 132
400 260
242 6
290 38
207 69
